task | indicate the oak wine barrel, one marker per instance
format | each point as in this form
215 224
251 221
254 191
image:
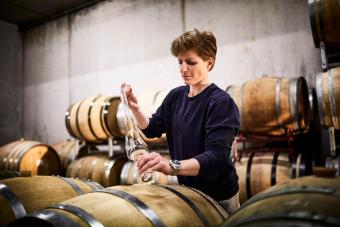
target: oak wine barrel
272 106
325 22
307 201
93 119
259 171
69 151
22 195
133 205
98 168
328 96
30 156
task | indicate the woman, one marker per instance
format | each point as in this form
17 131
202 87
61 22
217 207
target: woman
200 121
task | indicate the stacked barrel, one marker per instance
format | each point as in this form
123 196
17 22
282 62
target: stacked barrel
93 119
272 106
328 97
30 158
328 101
23 195
258 171
325 24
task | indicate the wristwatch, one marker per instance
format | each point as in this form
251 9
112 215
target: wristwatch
175 167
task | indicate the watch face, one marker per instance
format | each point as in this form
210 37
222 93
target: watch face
176 164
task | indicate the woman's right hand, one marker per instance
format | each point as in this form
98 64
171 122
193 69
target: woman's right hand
141 119
131 98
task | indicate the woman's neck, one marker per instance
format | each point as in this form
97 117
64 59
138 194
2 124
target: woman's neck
198 88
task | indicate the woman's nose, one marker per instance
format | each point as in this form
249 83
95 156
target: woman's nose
184 67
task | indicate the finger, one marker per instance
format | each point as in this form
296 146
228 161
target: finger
149 165
143 159
146 158
131 99
140 161
128 88
129 94
157 167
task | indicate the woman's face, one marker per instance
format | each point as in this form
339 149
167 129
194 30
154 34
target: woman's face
193 68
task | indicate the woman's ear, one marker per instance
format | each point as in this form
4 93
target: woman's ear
211 62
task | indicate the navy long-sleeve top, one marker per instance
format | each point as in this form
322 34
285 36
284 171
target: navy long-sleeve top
201 127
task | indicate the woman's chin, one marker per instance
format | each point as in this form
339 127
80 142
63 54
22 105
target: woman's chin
186 82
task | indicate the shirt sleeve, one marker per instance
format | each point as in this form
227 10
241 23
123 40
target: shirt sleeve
222 126
156 125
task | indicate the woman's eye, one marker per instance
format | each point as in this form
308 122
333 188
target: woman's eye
191 63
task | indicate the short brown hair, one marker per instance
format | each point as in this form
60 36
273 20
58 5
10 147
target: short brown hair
203 43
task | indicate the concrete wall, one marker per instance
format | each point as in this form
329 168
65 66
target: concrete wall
11 83
93 51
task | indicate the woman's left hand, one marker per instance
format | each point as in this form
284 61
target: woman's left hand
155 162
